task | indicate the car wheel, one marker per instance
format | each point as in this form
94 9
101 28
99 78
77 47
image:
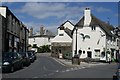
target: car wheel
12 69
21 65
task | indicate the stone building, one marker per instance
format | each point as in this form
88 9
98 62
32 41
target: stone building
14 32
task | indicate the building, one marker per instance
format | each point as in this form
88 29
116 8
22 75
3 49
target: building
2 33
14 32
62 43
93 38
42 37
117 33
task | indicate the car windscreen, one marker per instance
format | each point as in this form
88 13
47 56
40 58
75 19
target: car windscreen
23 54
29 54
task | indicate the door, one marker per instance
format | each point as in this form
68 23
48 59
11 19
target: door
89 54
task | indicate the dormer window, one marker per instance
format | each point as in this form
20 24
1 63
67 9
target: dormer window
93 28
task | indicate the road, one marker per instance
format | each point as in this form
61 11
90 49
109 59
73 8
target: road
46 67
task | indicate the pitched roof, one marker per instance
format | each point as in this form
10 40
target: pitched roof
68 31
62 25
95 21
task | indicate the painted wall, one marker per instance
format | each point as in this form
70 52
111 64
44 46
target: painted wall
40 41
3 11
64 38
89 44
66 25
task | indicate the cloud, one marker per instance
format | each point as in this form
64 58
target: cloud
102 9
46 10
36 26
60 0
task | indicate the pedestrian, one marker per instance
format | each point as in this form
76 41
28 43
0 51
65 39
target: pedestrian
109 58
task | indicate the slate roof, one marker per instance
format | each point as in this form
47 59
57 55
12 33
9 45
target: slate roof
68 31
62 25
95 21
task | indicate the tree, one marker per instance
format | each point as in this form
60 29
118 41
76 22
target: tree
44 48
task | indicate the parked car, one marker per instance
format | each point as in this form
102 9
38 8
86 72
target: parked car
26 59
11 61
31 56
116 76
34 54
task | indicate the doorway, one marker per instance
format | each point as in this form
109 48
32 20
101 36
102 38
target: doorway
89 54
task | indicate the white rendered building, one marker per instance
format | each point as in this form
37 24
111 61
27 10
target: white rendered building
94 38
62 42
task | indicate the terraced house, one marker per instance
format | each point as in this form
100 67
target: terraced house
14 37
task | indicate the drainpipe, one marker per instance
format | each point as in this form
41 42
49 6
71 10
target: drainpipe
76 42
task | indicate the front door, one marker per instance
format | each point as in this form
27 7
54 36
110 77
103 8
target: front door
89 54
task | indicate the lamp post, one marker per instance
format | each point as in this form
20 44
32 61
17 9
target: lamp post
76 42
75 59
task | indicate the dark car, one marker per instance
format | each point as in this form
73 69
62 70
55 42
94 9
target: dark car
34 54
116 76
31 56
11 61
26 59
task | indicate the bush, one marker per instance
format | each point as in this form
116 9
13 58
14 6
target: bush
67 55
44 49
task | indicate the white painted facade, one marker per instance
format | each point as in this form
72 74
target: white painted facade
65 38
40 41
98 42
62 36
3 11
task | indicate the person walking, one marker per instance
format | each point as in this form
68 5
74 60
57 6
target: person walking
109 58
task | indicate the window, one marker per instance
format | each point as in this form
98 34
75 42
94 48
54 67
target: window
83 52
97 52
61 34
93 28
48 39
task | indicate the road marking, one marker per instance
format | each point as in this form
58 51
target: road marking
67 70
35 77
44 67
59 61
56 71
63 71
72 68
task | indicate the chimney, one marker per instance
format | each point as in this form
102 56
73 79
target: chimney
42 31
31 32
87 17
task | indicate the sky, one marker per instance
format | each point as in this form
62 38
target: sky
52 14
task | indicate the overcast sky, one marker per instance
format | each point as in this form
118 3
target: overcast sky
52 15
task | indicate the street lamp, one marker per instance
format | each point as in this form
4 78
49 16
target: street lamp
76 42
75 59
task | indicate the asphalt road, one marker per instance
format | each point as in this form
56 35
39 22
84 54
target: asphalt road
46 67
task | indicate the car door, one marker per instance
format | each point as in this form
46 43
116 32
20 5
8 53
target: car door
15 60
19 60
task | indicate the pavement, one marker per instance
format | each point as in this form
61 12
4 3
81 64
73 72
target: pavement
48 67
68 63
